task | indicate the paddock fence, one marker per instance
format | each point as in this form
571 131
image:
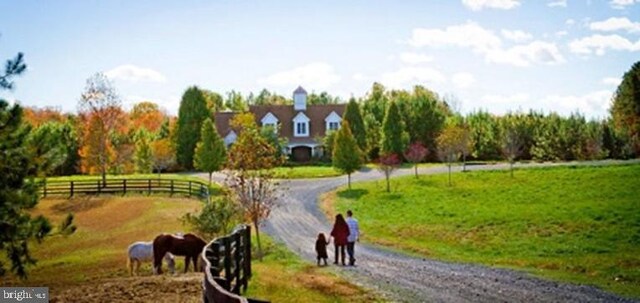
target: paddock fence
124 186
228 267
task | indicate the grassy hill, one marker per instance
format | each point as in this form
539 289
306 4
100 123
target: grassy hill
579 224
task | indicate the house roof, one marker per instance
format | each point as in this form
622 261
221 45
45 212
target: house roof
285 115
299 90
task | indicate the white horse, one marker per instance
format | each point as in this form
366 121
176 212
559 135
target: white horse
143 251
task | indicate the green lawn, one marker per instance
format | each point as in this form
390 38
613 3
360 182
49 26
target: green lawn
579 224
305 172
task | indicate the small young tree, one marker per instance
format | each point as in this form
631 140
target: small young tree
511 146
163 155
415 154
210 153
387 164
216 218
346 156
449 145
250 175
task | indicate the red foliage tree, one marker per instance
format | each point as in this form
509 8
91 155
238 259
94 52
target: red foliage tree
387 164
415 154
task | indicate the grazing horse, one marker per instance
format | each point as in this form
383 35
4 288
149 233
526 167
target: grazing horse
143 251
188 245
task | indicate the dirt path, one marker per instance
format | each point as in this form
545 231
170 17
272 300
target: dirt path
404 278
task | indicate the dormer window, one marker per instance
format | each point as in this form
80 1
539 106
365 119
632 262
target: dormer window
270 120
332 121
301 125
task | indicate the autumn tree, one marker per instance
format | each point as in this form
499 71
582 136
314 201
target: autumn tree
387 164
415 153
626 107
449 142
347 156
250 176
162 154
102 106
353 115
193 111
39 116
147 115
394 137
216 218
210 153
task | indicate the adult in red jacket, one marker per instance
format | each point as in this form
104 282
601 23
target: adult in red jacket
340 233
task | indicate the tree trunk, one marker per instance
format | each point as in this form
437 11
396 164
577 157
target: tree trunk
449 173
210 173
387 175
464 162
349 180
416 169
511 168
255 224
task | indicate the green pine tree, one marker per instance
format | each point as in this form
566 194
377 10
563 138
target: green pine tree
347 156
353 115
626 107
210 153
193 111
394 137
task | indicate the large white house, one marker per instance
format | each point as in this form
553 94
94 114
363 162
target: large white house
301 124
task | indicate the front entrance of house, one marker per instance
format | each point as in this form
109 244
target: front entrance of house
301 154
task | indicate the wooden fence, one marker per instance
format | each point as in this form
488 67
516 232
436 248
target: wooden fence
228 267
124 186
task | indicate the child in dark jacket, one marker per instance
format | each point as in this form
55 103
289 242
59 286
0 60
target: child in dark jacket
321 248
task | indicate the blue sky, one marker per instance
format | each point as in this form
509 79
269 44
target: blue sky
497 55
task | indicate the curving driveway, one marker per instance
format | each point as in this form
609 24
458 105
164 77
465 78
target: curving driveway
399 277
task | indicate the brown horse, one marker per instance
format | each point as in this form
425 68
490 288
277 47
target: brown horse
188 245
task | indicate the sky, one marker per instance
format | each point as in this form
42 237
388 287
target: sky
496 55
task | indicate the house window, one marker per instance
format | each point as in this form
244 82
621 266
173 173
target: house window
334 125
301 128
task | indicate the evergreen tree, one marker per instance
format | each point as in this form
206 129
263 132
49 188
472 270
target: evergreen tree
210 153
353 115
347 157
46 147
394 138
626 107
18 193
193 111
143 154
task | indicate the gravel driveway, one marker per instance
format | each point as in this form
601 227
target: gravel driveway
399 277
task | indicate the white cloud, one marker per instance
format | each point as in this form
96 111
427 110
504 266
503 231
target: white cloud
523 55
600 43
132 73
622 4
415 58
615 24
469 35
561 33
359 77
463 80
485 42
315 76
409 76
613 81
594 104
570 22
516 35
477 5
557 3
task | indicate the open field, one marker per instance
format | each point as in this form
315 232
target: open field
578 224
91 264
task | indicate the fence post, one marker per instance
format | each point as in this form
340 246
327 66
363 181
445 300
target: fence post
124 185
237 238
227 258
171 187
149 186
189 189
216 261
44 188
99 188
247 256
72 186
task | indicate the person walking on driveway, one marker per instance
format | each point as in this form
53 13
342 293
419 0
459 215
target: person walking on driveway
354 235
340 233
